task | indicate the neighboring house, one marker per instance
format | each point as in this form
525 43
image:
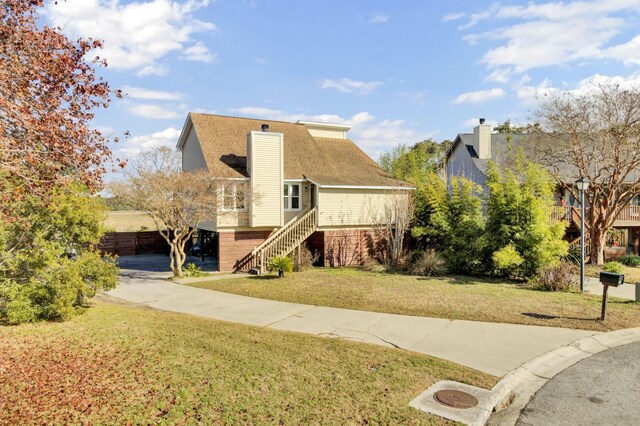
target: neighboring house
285 184
470 154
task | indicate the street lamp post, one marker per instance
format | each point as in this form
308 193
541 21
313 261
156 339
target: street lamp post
582 184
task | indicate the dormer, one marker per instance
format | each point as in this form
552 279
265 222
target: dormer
326 130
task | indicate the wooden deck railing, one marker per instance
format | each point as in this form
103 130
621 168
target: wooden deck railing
561 213
629 213
570 214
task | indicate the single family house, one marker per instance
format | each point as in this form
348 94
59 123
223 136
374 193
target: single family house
284 184
470 154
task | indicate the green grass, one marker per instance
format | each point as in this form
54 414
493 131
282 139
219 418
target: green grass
122 365
454 297
631 274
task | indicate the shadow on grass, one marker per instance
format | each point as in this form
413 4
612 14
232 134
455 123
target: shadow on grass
550 317
472 280
264 277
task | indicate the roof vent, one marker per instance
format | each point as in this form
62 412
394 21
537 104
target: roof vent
265 127
482 121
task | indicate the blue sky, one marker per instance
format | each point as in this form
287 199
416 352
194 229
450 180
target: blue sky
396 71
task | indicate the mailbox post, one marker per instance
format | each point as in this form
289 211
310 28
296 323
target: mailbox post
608 279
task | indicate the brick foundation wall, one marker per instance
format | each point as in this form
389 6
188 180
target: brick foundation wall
235 245
349 247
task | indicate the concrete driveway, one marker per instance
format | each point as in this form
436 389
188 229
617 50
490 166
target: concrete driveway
489 347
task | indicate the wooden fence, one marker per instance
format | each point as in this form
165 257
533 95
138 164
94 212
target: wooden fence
133 243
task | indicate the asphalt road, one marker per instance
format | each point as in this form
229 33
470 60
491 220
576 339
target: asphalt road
601 390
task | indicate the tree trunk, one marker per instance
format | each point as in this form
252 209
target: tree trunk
598 241
172 260
180 256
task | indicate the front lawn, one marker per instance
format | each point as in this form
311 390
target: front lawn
454 297
123 365
631 274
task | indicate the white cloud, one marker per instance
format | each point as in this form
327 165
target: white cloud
346 85
555 33
479 96
534 94
632 81
137 34
142 143
417 97
199 52
372 135
627 53
500 75
153 111
379 18
452 17
140 93
154 69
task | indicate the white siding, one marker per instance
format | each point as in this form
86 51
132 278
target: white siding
192 157
264 158
352 207
327 133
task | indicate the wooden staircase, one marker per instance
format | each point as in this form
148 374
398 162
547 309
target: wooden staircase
575 218
284 240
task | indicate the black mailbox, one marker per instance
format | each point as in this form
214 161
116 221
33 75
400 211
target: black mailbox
611 279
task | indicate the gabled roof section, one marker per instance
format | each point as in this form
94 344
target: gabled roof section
325 161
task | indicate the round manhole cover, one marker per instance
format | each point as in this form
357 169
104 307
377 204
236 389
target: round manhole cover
455 398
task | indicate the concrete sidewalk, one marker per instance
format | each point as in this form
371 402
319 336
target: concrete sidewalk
626 291
489 347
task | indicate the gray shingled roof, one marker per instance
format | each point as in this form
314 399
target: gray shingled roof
501 143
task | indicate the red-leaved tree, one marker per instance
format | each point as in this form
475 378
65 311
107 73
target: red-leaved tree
48 92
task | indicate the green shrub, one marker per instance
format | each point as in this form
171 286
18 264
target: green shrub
518 212
192 270
52 269
560 277
464 224
280 264
630 260
507 261
428 264
57 288
615 267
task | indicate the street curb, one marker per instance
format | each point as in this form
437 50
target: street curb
514 391
503 404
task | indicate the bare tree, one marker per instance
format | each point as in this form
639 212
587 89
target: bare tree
596 135
391 223
177 202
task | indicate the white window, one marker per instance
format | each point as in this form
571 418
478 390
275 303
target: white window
292 196
233 197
